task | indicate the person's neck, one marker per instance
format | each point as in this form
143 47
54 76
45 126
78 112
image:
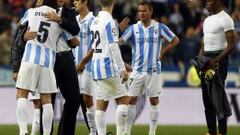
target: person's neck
83 13
107 9
217 10
146 23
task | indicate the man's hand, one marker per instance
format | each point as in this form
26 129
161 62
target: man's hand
30 35
79 68
211 64
124 24
124 76
15 76
128 67
53 16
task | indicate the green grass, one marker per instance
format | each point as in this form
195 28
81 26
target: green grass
137 130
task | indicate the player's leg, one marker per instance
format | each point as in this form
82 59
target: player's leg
22 110
210 114
100 116
136 84
153 115
47 115
27 80
131 114
154 89
36 116
88 100
121 115
46 87
88 92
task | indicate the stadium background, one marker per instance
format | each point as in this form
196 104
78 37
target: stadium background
181 103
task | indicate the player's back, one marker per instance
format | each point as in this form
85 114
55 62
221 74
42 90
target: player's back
48 31
42 49
104 33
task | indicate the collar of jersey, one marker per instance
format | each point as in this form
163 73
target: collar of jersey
85 18
151 25
105 13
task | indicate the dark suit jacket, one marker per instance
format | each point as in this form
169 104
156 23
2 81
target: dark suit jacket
69 22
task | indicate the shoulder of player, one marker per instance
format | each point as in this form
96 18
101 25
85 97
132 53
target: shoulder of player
226 16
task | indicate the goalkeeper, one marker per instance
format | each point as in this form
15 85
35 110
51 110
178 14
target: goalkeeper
218 30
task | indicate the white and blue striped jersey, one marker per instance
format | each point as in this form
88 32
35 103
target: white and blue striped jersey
85 40
146 45
104 33
42 49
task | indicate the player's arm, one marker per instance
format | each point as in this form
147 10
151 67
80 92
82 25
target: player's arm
172 39
67 20
117 58
126 35
17 50
230 41
74 42
201 51
123 24
80 67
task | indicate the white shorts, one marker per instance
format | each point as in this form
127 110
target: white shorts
110 88
143 83
33 96
36 78
86 84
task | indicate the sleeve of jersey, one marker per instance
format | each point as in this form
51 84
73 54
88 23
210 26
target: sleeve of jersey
228 24
127 33
24 19
111 33
117 57
166 33
66 35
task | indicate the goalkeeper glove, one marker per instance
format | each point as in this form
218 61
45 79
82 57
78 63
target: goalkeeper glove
209 74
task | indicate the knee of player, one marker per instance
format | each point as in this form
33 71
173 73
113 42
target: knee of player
154 100
133 100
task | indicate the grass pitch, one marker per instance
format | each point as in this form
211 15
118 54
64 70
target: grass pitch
137 130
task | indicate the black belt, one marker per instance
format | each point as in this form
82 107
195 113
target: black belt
212 53
60 54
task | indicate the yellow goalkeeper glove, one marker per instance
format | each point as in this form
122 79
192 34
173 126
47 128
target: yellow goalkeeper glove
209 74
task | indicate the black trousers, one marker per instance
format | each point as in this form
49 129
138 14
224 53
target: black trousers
67 81
215 99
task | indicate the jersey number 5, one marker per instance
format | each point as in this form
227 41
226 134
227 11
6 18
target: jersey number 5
42 37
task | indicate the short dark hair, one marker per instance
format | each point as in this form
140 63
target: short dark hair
50 3
144 2
106 3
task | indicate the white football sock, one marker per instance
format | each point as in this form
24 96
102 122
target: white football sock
22 115
153 119
121 117
131 116
47 118
100 122
35 122
91 120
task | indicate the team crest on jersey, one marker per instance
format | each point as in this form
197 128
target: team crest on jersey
114 32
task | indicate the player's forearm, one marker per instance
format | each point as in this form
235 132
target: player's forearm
201 51
117 57
172 45
74 42
87 58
